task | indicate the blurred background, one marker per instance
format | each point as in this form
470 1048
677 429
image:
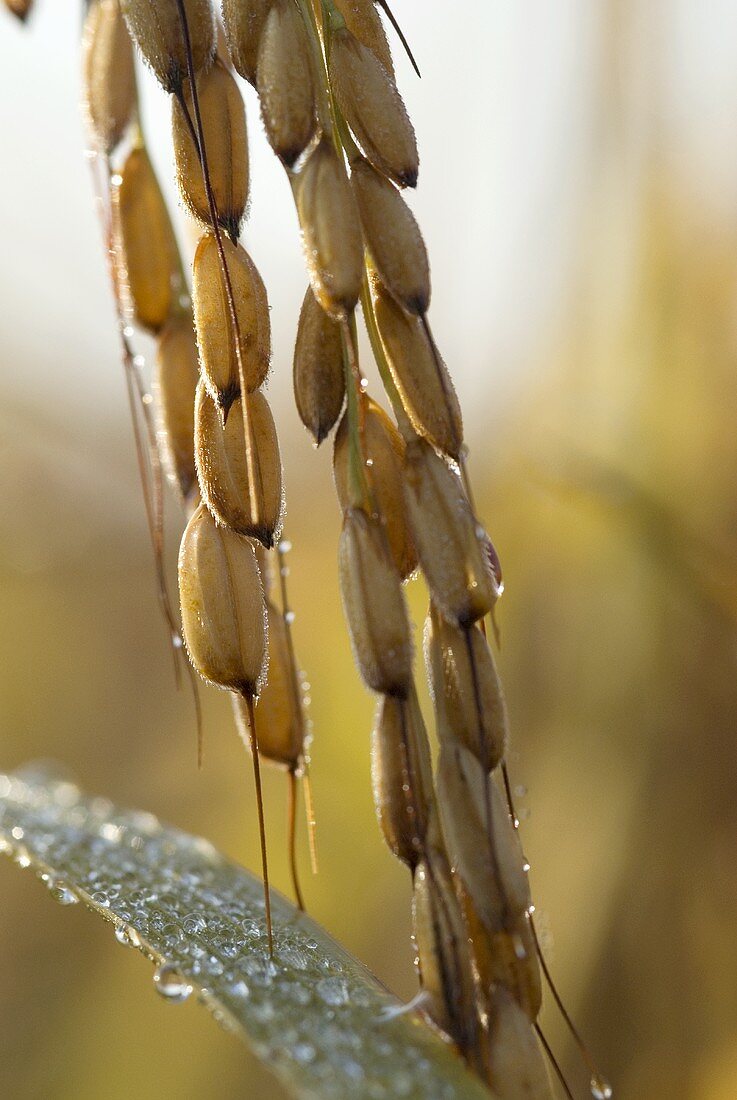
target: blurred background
578 195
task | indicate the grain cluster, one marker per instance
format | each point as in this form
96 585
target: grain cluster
333 114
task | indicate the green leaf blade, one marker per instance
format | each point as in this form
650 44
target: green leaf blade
313 1014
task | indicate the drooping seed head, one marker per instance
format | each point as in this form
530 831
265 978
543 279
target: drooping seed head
214 324
148 256
445 534
467 693
518 1069
251 506
483 845
364 22
223 607
175 384
319 378
373 108
226 144
393 238
285 82
157 30
402 776
243 23
374 606
331 230
384 457
280 718
443 957
419 373
109 78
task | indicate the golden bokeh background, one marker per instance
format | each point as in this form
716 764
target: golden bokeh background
578 194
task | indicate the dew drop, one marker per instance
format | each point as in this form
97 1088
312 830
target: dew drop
171 983
364 385
519 947
304 1053
127 936
369 462
285 546
333 991
60 892
289 617
194 924
17 833
115 179
601 1089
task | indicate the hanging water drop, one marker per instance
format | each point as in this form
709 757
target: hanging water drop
127 936
60 892
601 1089
171 983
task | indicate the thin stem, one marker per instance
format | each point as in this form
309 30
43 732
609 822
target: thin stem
260 807
310 815
577 1037
147 453
292 836
295 685
383 4
583 1049
554 1062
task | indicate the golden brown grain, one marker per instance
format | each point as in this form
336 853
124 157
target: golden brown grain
213 323
419 374
148 250
383 453
156 28
175 384
243 23
393 238
468 697
445 533
374 606
373 108
108 74
285 82
318 375
331 231
224 122
223 467
222 603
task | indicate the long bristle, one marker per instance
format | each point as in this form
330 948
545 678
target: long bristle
261 818
292 837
